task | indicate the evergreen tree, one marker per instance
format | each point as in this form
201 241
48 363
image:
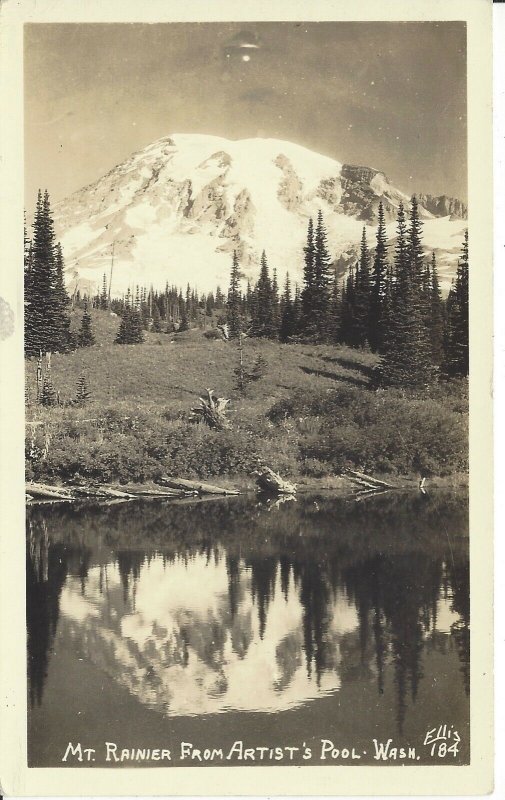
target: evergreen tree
387 309
378 287
46 319
62 300
259 368
85 337
262 321
130 330
48 396
335 310
156 318
407 358
288 322
307 295
184 324
233 315
297 310
104 297
457 335
361 310
322 281
248 298
436 322
421 280
275 304
347 315
82 395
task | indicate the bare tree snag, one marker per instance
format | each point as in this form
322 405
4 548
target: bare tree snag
270 481
212 410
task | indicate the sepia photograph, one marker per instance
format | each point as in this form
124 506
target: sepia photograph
247 262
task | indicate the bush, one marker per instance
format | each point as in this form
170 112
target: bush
138 448
384 431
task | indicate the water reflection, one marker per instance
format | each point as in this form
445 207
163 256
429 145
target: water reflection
197 609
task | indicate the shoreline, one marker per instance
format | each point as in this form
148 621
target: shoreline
337 485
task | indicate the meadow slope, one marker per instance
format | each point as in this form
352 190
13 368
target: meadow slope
312 414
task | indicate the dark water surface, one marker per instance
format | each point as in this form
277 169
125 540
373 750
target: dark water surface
237 621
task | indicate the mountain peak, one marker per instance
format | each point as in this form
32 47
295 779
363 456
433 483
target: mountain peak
177 209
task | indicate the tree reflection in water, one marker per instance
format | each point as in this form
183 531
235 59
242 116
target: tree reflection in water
196 608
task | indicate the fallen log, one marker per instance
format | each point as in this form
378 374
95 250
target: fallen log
110 491
368 479
365 485
160 493
270 481
196 486
50 492
88 491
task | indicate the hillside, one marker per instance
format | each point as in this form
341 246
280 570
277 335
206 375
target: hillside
171 371
313 413
177 209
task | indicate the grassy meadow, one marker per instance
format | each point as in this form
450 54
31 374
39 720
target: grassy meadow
312 414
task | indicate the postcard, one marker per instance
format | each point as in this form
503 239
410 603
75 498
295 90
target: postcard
246 470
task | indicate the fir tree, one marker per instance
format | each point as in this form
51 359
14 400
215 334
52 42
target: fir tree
248 298
307 295
335 310
184 323
436 321
130 330
414 246
275 323
387 309
156 318
85 337
457 335
288 322
297 310
262 322
322 281
48 396
233 315
46 319
407 358
62 300
378 287
104 297
259 369
82 395
361 310
421 281
347 315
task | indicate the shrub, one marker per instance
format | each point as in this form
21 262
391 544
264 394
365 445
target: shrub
384 431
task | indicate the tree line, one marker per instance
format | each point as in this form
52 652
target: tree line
392 305
48 304
389 302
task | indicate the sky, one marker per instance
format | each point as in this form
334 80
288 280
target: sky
386 95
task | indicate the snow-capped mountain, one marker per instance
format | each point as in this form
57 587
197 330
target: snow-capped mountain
176 210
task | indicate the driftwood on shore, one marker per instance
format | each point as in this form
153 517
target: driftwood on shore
196 486
162 492
41 491
368 481
45 492
270 481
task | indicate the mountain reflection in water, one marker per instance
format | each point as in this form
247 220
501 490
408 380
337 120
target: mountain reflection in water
211 607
